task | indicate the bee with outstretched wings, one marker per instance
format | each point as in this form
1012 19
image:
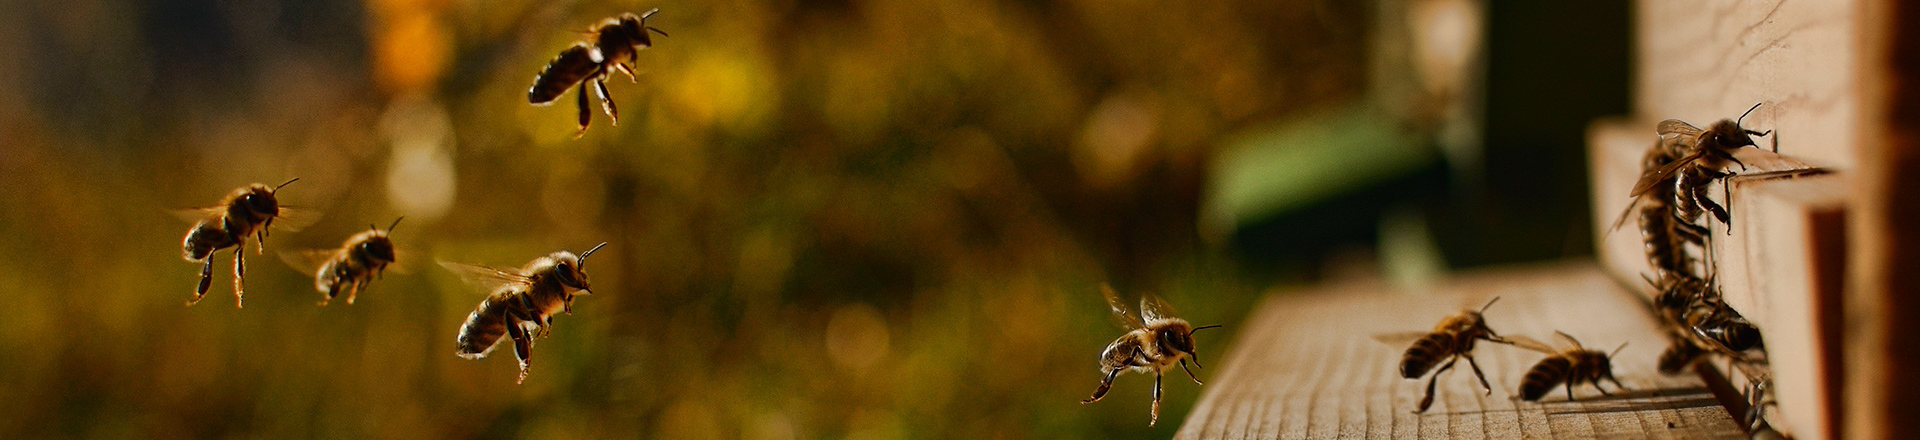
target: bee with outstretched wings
522 303
1572 366
248 211
348 268
1155 341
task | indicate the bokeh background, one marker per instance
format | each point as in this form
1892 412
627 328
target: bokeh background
828 219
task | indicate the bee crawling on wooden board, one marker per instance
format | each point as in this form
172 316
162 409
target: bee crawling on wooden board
1452 339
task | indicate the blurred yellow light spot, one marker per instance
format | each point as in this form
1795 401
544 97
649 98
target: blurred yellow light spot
420 174
856 336
1115 139
410 51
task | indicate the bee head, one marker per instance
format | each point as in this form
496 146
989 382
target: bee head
1179 339
1731 135
635 27
377 244
260 200
570 270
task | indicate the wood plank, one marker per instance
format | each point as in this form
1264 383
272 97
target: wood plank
1707 60
1306 365
1883 301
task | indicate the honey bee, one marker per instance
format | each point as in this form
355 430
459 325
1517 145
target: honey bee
615 46
349 267
1572 366
1707 153
1452 339
1154 342
1716 322
522 303
247 211
1681 352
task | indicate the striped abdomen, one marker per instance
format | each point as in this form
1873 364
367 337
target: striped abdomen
484 327
1425 353
572 66
1678 355
204 238
1544 376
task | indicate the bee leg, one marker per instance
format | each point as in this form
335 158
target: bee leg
1603 391
1156 400
1616 382
606 100
1478 374
1105 384
354 290
1570 390
1183 366
522 348
206 280
627 69
1427 401
586 116
239 275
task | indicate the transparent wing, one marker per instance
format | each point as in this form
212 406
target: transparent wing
1569 338
1624 213
1653 177
1523 341
485 277
1120 314
1676 127
307 261
294 218
195 215
1399 339
1152 307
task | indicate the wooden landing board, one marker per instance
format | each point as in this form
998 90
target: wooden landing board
1305 365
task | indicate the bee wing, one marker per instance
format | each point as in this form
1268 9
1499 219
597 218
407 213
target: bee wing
308 261
1153 308
1120 314
1399 339
1624 213
295 218
1569 338
1656 176
403 259
1676 127
1523 341
483 276
195 215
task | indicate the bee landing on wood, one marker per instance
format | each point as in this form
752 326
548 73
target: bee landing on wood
1571 366
1707 154
348 268
247 211
615 45
1452 339
1154 342
522 303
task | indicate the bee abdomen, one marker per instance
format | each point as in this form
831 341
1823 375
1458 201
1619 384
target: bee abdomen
569 68
1678 356
1544 376
1423 354
482 331
205 238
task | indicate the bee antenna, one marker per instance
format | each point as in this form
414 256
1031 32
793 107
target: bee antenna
396 222
583 256
1616 351
276 190
1204 327
1743 116
649 14
1483 309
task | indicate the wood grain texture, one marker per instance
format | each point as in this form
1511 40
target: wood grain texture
1306 366
1706 60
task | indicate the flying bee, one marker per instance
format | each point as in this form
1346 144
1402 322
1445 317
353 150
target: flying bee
1452 339
522 303
1154 342
247 211
615 46
1572 366
1707 154
348 268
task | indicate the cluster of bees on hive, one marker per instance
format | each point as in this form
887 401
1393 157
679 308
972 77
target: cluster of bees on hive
1672 201
521 303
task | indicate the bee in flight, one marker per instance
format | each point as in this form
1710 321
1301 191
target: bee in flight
1452 339
616 44
348 268
1702 157
1154 342
1572 366
247 211
522 303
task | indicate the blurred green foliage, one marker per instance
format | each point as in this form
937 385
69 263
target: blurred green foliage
829 219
